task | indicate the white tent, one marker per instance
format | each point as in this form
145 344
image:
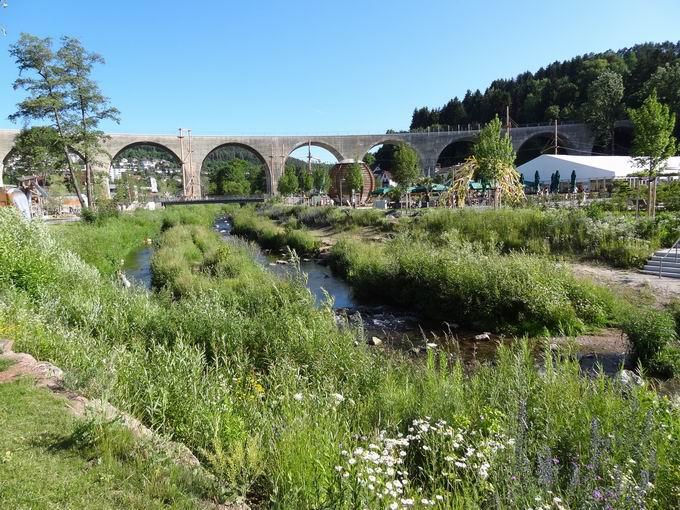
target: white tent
588 168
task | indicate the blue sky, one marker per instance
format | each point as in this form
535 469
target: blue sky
293 67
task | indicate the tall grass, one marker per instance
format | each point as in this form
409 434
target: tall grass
464 283
288 412
269 235
105 242
614 238
329 216
617 239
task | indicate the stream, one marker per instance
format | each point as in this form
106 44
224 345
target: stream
393 327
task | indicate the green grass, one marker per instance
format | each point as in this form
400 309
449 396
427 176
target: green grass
5 364
328 216
462 283
269 235
49 459
105 243
268 392
617 239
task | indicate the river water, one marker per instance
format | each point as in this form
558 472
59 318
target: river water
396 328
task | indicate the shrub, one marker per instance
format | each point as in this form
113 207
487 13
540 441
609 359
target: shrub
464 283
650 332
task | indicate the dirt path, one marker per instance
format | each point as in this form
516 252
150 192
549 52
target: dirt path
663 289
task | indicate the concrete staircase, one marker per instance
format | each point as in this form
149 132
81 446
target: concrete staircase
664 262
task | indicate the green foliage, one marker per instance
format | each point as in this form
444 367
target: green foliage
619 240
62 92
271 236
321 179
653 336
48 455
664 82
459 282
406 165
288 183
354 178
493 152
329 216
234 177
562 88
370 160
248 373
604 106
306 182
37 151
653 140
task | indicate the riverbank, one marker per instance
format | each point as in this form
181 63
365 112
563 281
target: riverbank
53 454
447 278
247 371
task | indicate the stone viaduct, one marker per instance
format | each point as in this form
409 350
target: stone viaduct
273 151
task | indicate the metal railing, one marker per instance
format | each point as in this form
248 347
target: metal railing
674 249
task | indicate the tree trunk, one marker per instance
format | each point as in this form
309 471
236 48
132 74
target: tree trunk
88 167
88 184
72 172
74 177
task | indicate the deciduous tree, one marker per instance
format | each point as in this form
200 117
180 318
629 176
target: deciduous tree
495 157
37 150
61 91
354 178
653 140
405 166
288 183
86 103
321 178
604 105
48 94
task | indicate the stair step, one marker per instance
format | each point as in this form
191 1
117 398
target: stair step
664 269
671 258
663 263
663 274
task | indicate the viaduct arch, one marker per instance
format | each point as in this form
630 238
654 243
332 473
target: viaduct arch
274 150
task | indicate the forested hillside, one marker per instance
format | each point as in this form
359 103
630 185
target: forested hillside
568 90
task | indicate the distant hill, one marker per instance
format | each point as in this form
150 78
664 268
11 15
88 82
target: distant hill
561 88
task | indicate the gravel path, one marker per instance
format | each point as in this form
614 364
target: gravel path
663 289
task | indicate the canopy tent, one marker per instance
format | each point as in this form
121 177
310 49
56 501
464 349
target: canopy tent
381 191
433 188
587 168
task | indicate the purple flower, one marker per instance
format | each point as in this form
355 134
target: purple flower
597 495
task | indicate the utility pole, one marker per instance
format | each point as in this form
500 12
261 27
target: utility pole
507 120
188 185
194 186
184 170
555 136
309 157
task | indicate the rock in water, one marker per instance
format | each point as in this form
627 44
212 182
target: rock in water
483 336
629 378
374 340
123 279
